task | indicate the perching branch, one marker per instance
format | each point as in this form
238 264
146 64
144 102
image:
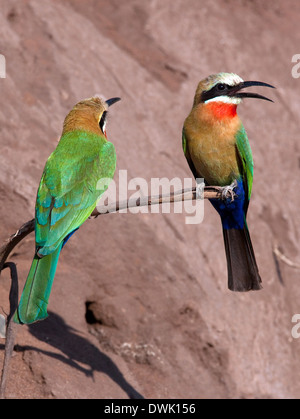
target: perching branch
11 243
210 192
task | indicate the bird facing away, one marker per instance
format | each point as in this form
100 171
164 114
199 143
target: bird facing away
216 147
66 197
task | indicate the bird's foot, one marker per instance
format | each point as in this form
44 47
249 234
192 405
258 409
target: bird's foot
228 191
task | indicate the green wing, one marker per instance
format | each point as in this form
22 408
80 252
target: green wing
68 192
245 155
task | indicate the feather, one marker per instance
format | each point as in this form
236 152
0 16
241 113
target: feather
242 269
36 292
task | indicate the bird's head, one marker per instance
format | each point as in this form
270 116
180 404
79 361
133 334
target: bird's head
226 88
89 115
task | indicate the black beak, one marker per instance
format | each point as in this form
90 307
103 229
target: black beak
233 91
113 100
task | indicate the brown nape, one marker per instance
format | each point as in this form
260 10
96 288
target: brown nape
85 116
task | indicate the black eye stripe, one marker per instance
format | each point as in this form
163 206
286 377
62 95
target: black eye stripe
220 89
102 121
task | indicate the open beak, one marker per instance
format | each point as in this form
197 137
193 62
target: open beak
234 91
113 100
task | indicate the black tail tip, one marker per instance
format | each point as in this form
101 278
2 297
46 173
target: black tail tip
245 285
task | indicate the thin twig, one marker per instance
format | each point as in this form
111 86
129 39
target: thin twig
10 329
209 192
284 258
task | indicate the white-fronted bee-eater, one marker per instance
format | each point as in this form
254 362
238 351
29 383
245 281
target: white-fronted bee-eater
216 147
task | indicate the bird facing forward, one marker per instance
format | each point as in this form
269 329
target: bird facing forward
66 197
216 147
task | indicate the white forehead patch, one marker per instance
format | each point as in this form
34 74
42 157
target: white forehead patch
229 78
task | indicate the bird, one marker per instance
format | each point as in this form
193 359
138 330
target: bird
66 197
217 150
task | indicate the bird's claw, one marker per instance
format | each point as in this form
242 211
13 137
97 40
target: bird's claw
228 191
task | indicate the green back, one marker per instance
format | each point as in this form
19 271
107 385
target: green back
68 192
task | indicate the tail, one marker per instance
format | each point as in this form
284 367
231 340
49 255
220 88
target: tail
34 299
243 272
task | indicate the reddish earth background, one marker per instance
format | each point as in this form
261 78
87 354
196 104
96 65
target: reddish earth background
140 305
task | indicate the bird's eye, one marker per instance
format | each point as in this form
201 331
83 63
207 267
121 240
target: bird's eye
102 122
221 86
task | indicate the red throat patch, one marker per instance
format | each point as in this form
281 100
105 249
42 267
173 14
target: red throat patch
221 110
